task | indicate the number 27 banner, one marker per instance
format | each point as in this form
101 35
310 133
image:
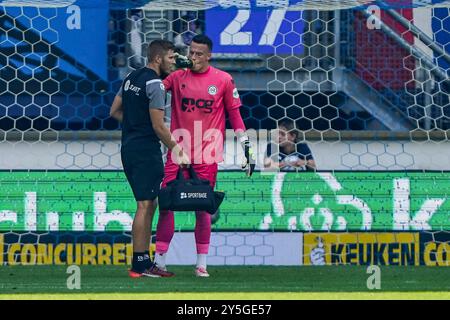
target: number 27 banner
255 27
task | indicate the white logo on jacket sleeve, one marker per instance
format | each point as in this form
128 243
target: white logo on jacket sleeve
127 85
235 93
212 90
162 86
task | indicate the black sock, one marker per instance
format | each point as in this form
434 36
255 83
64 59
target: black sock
139 261
147 260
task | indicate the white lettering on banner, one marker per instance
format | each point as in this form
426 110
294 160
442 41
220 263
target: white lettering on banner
78 221
328 216
74 20
292 223
102 218
277 201
52 221
425 213
30 211
401 208
361 206
402 212
8 215
267 221
306 218
401 204
330 180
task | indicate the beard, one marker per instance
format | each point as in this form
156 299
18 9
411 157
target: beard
164 71
163 74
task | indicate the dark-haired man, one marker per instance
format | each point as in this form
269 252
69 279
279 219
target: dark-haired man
139 105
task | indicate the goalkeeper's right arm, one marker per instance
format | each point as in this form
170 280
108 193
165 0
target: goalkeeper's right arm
249 162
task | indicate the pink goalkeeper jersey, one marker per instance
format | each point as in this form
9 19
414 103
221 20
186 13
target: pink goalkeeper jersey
199 102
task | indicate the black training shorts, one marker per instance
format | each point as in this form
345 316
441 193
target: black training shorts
144 169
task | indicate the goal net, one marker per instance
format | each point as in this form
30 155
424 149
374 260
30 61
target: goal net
365 85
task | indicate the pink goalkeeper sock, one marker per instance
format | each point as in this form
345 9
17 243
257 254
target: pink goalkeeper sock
164 230
202 231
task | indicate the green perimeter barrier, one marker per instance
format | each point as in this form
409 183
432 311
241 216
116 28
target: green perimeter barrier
304 201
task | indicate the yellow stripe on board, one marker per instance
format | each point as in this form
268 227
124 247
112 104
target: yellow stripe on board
236 296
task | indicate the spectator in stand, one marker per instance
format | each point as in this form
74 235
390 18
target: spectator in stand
286 153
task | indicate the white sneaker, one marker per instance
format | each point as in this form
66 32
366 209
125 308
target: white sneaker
201 272
162 268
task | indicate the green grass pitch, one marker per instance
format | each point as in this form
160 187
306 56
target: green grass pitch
231 282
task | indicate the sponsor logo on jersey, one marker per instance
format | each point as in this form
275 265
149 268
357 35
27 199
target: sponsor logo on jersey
189 105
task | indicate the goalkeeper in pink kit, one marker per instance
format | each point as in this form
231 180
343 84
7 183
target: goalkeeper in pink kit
201 96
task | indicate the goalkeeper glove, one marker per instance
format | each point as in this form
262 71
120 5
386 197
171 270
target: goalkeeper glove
182 62
249 162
